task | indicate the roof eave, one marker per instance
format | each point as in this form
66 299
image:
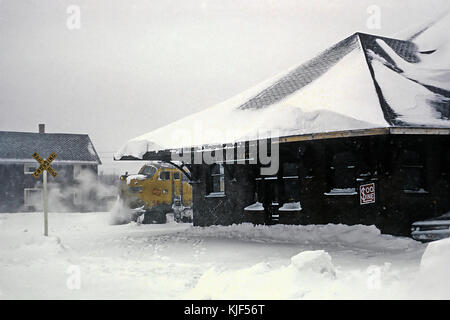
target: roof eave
64 162
165 155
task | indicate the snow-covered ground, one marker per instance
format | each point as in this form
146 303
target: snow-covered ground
86 258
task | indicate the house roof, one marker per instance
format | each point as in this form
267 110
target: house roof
362 82
70 148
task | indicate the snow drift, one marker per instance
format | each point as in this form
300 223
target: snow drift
358 236
433 279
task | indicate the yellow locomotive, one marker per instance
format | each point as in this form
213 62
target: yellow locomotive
157 189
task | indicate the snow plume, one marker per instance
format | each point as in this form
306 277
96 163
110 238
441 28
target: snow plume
120 213
87 194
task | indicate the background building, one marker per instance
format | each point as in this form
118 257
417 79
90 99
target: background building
19 190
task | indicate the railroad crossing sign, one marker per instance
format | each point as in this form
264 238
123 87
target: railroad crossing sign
44 168
44 165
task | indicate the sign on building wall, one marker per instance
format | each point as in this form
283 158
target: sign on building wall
367 193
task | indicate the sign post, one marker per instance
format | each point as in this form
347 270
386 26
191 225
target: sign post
43 168
45 204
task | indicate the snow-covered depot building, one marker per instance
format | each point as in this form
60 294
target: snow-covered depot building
363 136
19 190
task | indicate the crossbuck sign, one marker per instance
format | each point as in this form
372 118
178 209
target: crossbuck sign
44 167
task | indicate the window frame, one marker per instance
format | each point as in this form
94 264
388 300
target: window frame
27 166
290 181
165 173
211 192
142 171
413 161
77 169
345 167
26 197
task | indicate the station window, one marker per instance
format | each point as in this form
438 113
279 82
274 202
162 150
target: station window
342 174
217 179
413 172
291 182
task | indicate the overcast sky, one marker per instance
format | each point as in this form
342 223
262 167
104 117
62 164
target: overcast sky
136 65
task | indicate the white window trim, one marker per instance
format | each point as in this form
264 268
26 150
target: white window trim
27 166
218 194
76 171
342 192
215 195
25 202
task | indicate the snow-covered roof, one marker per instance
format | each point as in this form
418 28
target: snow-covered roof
70 148
362 82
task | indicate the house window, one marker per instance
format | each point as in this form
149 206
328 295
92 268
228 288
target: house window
77 197
413 172
164 175
217 180
342 174
76 171
29 168
33 198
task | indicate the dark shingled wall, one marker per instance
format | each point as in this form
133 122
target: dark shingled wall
383 156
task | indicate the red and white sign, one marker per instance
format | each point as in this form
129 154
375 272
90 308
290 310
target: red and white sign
367 193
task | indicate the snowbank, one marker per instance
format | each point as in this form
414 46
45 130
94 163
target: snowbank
358 236
39 244
262 281
176 261
317 261
33 247
433 279
310 275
